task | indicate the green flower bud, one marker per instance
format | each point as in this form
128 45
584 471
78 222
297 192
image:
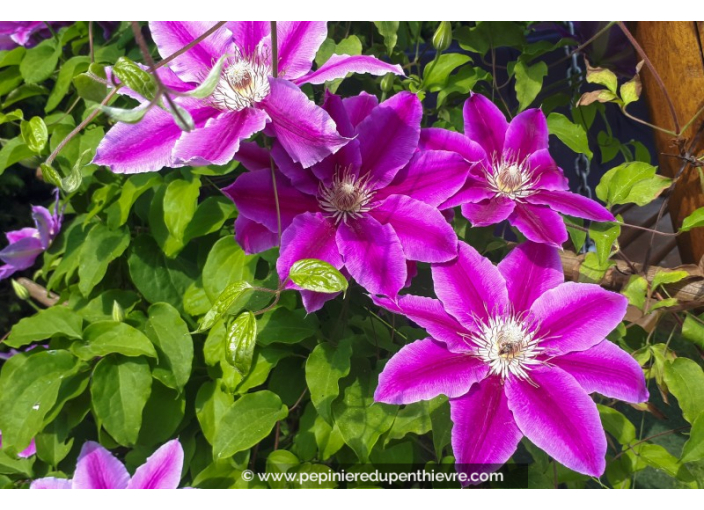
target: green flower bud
387 83
118 314
20 290
443 36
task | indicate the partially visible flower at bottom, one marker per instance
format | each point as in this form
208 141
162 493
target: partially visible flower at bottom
26 33
517 351
28 243
97 468
27 452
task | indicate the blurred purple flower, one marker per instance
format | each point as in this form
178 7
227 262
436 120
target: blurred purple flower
27 452
26 33
369 208
517 351
97 468
247 100
28 243
514 177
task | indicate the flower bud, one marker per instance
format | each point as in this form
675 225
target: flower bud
387 83
443 36
20 290
118 314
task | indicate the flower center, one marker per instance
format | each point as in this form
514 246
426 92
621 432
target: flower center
508 346
244 83
511 178
348 196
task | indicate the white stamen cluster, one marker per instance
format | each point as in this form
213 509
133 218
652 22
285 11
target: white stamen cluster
511 178
244 82
508 346
349 196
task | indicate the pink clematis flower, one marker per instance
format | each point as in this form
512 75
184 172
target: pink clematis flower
97 468
248 99
517 351
27 452
367 210
514 177
28 243
26 33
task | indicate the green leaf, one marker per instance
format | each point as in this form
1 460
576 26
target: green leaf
630 91
631 182
13 151
101 247
120 389
89 88
11 116
571 134
240 341
107 337
388 30
35 134
602 76
318 276
40 61
209 217
604 236
326 365
693 330
412 419
694 220
132 189
694 447
72 181
67 71
442 424
617 425
636 290
182 118
437 72
180 202
50 175
665 277
249 420
529 82
685 380
52 446
55 321
128 116
208 85
211 405
223 303
135 78
174 345
286 326
162 415
658 457
226 264
29 386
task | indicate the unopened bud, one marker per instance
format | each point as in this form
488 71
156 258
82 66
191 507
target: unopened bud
443 36
387 83
20 290
118 314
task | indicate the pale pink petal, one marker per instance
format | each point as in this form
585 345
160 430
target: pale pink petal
51 483
162 470
97 468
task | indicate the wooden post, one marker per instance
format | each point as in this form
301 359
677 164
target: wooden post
675 50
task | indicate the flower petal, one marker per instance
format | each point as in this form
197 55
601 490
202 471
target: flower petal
253 237
248 34
194 64
298 43
576 316
359 107
606 369
545 172
217 142
431 177
470 287
445 140
253 193
29 451
425 369
97 468
530 270
473 191
17 235
301 178
304 129
572 204
338 66
484 433
485 124
46 225
148 145
388 137
314 301
429 314
51 483
423 231
526 134
310 236
488 212
162 470
23 253
373 255
539 224
556 414
253 157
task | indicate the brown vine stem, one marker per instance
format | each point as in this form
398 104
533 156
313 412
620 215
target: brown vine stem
90 41
630 447
650 65
583 45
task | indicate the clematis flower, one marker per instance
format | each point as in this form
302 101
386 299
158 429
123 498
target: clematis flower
517 350
26 33
247 99
368 209
97 468
28 243
514 177
27 452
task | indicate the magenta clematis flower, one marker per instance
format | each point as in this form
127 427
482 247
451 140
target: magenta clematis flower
27 452
28 243
514 177
517 351
247 100
97 468
368 209
26 33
